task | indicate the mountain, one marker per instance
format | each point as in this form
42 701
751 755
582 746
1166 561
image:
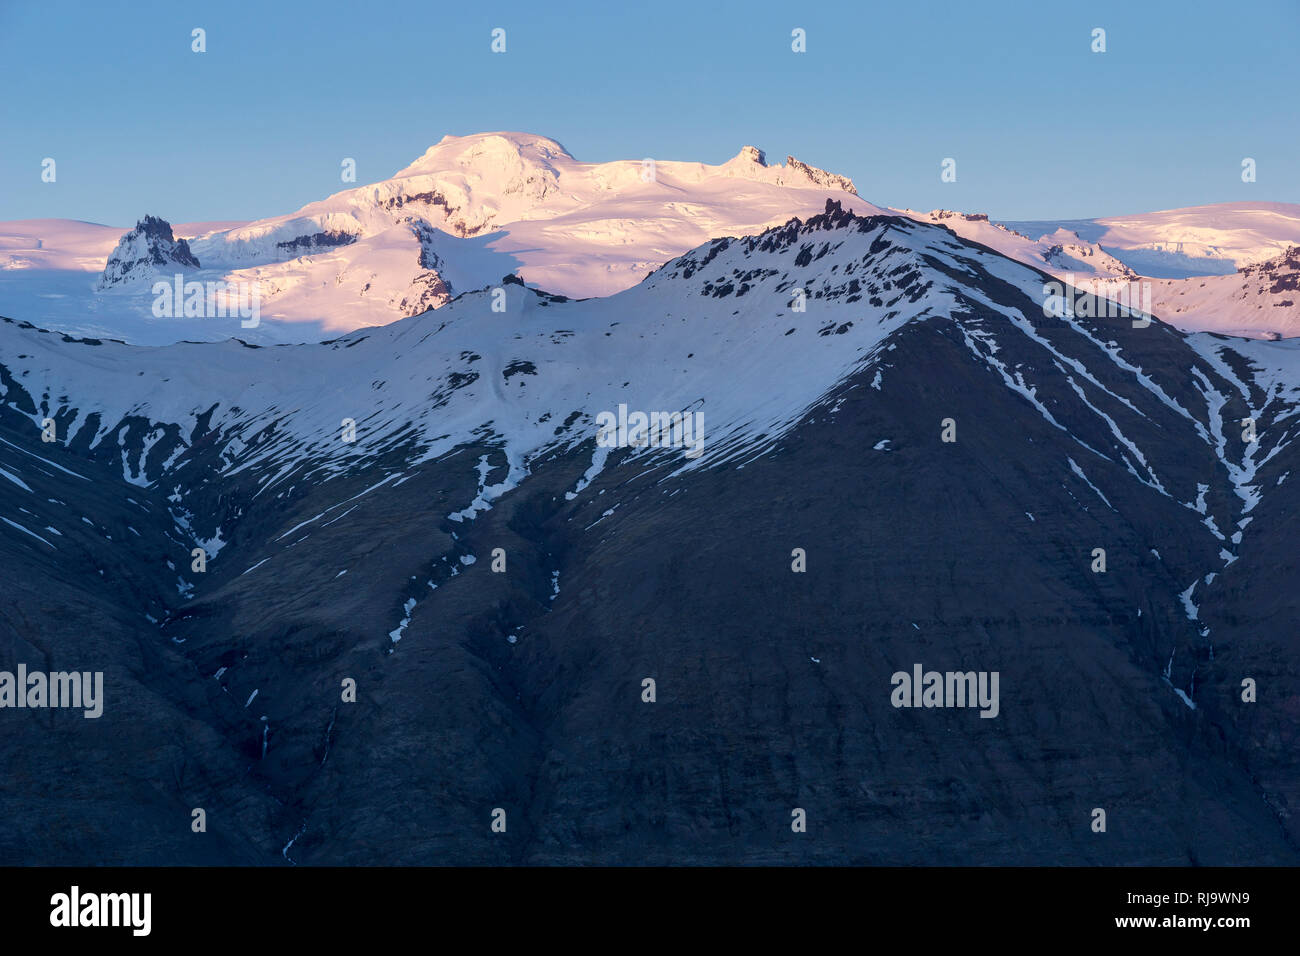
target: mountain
431 509
1059 251
1194 241
470 210
473 209
1230 268
1259 301
147 252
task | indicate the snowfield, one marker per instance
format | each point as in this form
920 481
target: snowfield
476 208
471 210
751 334
1231 268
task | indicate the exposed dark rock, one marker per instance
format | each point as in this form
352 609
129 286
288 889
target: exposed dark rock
305 245
143 251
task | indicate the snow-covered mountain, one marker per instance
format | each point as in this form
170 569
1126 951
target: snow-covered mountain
147 252
1262 300
474 209
427 509
469 211
531 375
1060 251
1195 241
751 333
1229 268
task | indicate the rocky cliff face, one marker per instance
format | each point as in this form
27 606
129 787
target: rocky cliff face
818 177
145 253
907 462
1263 298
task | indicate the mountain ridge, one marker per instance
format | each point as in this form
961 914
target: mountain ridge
473 208
372 560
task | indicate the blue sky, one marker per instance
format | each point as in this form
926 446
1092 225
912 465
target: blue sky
1040 126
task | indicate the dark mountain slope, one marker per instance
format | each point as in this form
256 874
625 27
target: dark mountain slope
372 561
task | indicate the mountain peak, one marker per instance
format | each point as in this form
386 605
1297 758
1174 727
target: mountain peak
141 251
468 210
819 177
501 149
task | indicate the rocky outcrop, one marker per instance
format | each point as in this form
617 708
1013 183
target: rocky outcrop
305 245
817 177
146 252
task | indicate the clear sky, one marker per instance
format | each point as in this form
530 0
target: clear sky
1040 126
